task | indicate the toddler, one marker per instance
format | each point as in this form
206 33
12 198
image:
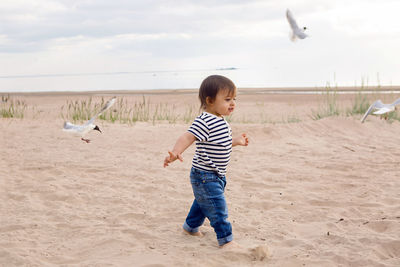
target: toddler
214 143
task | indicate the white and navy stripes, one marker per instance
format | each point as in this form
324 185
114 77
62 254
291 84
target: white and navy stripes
214 143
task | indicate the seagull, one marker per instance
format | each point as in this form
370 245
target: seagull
82 130
296 31
382 109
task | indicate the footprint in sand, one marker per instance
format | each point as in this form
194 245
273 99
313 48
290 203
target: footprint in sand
388 249
258 253
383 226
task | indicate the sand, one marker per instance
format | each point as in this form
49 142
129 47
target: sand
303 193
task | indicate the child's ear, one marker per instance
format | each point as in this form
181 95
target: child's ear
209 100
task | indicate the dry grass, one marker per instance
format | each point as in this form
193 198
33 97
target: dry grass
143 110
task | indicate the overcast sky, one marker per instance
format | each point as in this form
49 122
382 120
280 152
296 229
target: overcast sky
103 44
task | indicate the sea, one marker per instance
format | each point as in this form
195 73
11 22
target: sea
171 79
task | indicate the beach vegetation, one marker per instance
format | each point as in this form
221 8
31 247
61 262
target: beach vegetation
360 102
12 108
124 112
189 114
5 98
292 119
329 106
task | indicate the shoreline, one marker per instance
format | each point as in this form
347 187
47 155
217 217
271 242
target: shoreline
244 90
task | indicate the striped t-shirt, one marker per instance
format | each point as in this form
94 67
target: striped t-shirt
213 143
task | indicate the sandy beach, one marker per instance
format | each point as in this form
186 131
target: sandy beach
305 192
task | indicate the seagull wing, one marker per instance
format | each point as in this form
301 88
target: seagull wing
106 106
376 104
384 110
292 21
69 127
396 102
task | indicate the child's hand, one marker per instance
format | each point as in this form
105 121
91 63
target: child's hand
242 140
171 158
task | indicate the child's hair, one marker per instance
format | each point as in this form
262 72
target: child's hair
212 85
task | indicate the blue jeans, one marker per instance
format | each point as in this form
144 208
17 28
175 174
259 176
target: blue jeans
209 202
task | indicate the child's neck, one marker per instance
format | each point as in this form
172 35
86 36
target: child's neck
208 110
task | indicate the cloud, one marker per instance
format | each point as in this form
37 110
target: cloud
34 25
36 36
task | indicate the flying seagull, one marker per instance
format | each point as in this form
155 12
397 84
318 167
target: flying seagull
82 130
381 109
296 31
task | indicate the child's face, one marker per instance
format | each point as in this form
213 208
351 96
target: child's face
224 103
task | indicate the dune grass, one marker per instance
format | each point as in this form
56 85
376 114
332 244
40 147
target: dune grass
143 110
361 103
329 105
11 108
124 112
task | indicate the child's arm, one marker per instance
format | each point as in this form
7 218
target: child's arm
183 142
241 140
